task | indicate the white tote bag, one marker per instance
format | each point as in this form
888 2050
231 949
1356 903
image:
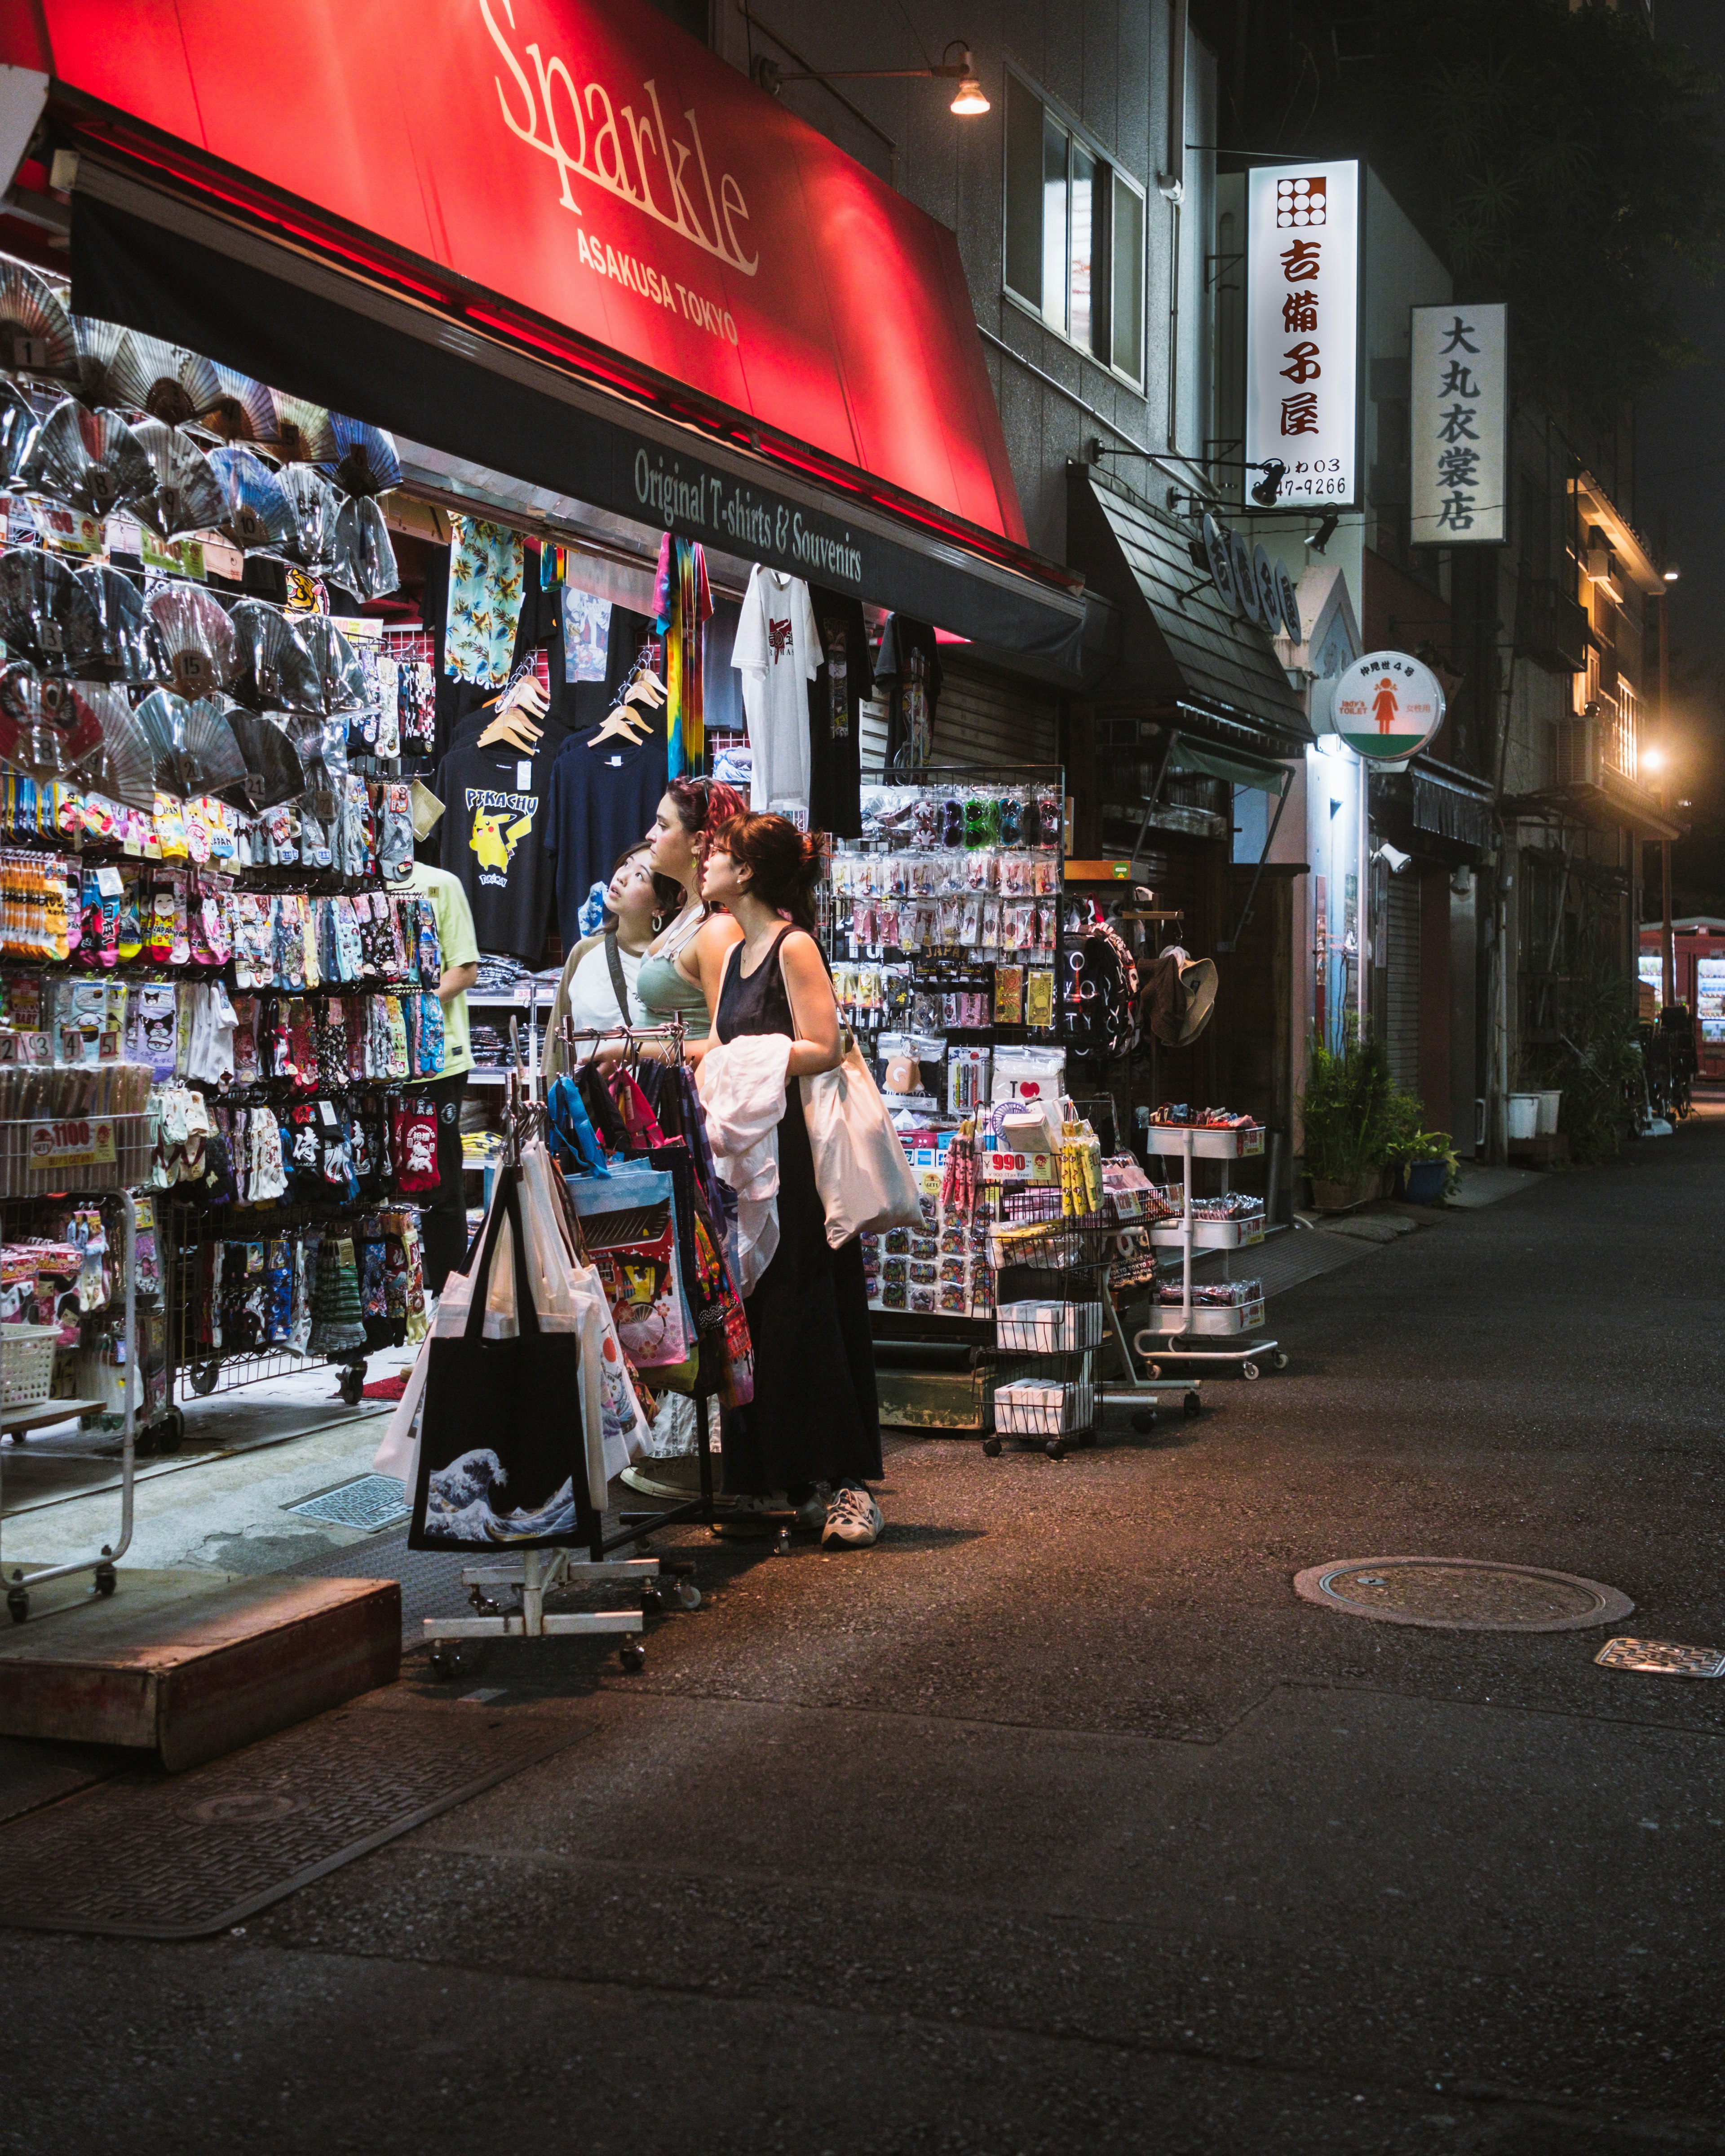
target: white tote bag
861 1170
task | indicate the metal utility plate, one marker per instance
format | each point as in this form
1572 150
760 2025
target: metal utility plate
1661 1658
146 1854
369 1501
1462 1595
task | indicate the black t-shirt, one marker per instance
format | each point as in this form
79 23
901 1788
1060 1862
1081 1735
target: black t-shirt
835 698
493 842
600 801
907 660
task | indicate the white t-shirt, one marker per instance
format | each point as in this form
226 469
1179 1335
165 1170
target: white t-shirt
777 652
592 997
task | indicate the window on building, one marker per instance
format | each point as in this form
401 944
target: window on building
1074 235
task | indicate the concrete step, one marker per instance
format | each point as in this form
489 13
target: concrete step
193 1677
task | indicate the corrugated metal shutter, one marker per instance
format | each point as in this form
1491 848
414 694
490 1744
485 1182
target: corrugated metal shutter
981 718
1401 983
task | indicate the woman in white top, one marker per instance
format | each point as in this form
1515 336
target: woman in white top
638 903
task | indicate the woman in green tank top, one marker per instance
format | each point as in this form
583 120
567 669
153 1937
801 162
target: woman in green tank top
685 966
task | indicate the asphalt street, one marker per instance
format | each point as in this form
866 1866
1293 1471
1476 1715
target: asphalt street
1058 1822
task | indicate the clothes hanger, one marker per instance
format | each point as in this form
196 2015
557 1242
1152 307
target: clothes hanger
519 709
641 688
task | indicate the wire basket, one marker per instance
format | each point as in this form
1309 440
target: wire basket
75 1152
27 1363
1067 1243
1042 1395
1047 1328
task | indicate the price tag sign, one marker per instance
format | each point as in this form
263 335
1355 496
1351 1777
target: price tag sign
86 1142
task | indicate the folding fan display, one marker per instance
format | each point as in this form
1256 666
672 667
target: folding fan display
47 730
45 614
127 769
166 381
157 720
89 459
242 410
129 647
255 513
345 688
365 556
103 378
203 655
303 431
274 773
35 329
365 461
192 743
17 430
315 504
186 496
276 672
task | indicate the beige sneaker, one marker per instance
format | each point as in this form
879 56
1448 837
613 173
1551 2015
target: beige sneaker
853 1520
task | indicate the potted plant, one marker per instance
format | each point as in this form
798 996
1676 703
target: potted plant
1428 1165
1342 1112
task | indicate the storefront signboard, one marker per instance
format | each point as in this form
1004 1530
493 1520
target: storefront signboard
1302 329
1387 707
1458 419
593 168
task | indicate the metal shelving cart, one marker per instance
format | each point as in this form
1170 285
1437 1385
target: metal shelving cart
1184 1331
1036 1386
64 1162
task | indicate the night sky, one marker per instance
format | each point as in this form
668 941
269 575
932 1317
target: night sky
1681 468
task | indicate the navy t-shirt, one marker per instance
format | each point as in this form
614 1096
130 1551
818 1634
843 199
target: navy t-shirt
600 800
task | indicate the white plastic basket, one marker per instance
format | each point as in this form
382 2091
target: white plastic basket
27 1363
1048 1328
1040 1407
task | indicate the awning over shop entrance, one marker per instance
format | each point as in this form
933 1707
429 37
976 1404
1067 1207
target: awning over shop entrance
1183 646
1199 760
176 270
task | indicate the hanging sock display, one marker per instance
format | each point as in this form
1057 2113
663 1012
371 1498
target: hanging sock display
487 581
682 604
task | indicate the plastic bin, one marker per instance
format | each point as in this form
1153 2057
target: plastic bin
27 1363
1549 1104
1523 1115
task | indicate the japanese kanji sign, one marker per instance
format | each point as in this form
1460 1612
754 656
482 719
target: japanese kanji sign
1302 328
1387 707
1458 426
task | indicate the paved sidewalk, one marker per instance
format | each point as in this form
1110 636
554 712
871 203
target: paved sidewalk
1058 1822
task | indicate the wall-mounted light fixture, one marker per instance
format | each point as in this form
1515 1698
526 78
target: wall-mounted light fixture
968 99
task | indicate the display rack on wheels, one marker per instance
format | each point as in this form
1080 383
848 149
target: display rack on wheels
1037 1384
97 1160
1206 1324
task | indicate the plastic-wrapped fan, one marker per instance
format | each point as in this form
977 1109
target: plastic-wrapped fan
127 770
314 503
344 682
242 410
166 381
365 556
210 757
17 430
305 431
129 648
47 730
103 377
203 654
365 461
255 513
158 720
91 459
276 671
187 495
35 329
45 614
272 771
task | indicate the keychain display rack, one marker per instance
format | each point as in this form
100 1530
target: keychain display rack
1188 1330
19 1417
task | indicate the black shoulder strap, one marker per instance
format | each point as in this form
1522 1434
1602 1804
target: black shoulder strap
619 986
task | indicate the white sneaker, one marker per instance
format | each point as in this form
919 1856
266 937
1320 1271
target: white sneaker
853 1519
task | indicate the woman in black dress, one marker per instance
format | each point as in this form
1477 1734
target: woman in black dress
814 1419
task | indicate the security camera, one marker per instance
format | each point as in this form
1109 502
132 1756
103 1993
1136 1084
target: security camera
1397 859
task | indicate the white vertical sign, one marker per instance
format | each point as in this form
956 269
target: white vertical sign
1458 416
1302 328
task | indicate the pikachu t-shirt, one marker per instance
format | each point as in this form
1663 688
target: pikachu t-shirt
494 843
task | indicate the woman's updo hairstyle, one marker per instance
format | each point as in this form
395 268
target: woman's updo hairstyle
784 865
702 805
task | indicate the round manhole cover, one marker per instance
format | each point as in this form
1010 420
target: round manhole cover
246 1808
1463 1594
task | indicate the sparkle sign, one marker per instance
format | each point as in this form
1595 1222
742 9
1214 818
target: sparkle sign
1302 328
